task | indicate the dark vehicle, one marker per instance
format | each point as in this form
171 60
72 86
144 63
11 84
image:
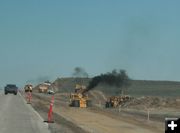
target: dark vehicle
10 88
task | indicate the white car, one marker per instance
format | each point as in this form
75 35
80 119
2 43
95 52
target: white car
50 92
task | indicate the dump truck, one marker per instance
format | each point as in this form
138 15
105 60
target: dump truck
80 98
28 88
115 101
44 87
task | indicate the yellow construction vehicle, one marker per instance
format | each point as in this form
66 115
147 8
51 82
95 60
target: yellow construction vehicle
115 101
79 98
28 88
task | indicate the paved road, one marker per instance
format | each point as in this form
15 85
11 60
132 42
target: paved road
18 117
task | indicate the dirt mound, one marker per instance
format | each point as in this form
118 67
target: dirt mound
153 102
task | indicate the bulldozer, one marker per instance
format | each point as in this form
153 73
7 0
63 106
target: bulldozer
28 88
115 101
79 98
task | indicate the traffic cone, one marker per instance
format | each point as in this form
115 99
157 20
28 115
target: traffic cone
50 119
29 97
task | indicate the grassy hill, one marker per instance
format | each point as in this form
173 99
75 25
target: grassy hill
137 88
155 88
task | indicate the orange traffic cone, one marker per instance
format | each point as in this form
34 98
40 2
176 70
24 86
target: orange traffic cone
50 119
29 97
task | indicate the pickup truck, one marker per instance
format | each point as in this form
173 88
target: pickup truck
10 88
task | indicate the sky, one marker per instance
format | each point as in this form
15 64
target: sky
43 39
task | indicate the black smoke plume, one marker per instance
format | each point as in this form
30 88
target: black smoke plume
80 72
117 79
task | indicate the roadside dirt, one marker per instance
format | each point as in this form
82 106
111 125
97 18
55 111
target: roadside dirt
93 120
60 125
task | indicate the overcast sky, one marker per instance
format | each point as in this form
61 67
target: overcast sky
46 39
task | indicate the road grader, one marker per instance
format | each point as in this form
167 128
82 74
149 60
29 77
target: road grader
80 97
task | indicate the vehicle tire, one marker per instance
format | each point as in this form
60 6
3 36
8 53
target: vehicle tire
89 103
5 93
108 105
15 93
76 103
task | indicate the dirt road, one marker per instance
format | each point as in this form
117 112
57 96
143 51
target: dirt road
94 122
98 123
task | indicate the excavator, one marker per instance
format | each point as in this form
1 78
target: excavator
80 98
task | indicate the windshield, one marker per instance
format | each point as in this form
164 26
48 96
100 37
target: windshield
11 86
